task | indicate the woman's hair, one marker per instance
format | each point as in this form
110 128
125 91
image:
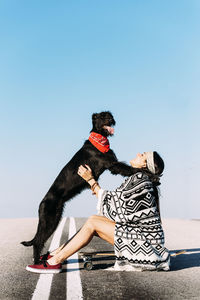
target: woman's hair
155 178
158 163
159 167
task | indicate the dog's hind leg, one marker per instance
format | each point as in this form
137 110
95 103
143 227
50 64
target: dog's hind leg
50 213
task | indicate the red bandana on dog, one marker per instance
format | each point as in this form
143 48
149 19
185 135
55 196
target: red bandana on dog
99 141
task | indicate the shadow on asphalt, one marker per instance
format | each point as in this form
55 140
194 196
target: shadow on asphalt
95 267
189 259
99 263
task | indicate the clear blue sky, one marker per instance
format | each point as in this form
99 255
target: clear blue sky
60 61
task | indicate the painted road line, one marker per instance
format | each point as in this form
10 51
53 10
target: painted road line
178 253
74 287
43 287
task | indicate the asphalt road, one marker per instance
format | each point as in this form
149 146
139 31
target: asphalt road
182 282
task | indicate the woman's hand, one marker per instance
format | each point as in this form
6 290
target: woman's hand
85 172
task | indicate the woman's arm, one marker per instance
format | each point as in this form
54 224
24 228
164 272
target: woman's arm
106 203
86 174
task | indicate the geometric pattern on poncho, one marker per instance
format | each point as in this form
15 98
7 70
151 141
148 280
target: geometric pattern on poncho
139 237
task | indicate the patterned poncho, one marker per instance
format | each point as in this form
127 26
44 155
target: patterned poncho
139 237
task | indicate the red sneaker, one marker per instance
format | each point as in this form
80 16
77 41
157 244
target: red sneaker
45 268
46 256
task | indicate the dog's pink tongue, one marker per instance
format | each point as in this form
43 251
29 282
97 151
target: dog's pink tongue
110 129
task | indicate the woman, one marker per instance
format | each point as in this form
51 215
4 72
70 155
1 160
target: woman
128 218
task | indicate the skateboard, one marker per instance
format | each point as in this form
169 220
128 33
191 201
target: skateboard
88 257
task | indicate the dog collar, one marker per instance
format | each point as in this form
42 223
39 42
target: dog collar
99 141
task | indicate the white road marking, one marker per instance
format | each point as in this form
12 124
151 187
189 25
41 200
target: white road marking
74 287
43 287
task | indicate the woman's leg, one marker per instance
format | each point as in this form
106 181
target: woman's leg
54 252
57 250
95 225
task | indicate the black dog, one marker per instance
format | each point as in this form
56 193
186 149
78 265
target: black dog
69 183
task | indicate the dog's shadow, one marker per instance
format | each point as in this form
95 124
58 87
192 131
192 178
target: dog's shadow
189 259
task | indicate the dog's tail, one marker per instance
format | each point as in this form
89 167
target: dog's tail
28 243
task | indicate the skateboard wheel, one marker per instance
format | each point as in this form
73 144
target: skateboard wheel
88 265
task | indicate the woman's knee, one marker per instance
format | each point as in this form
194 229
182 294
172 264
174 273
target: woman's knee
91 221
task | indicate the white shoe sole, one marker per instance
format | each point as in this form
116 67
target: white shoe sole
41 271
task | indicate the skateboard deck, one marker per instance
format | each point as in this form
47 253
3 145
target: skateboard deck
88 257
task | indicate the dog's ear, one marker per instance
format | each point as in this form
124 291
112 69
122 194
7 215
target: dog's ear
94 117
